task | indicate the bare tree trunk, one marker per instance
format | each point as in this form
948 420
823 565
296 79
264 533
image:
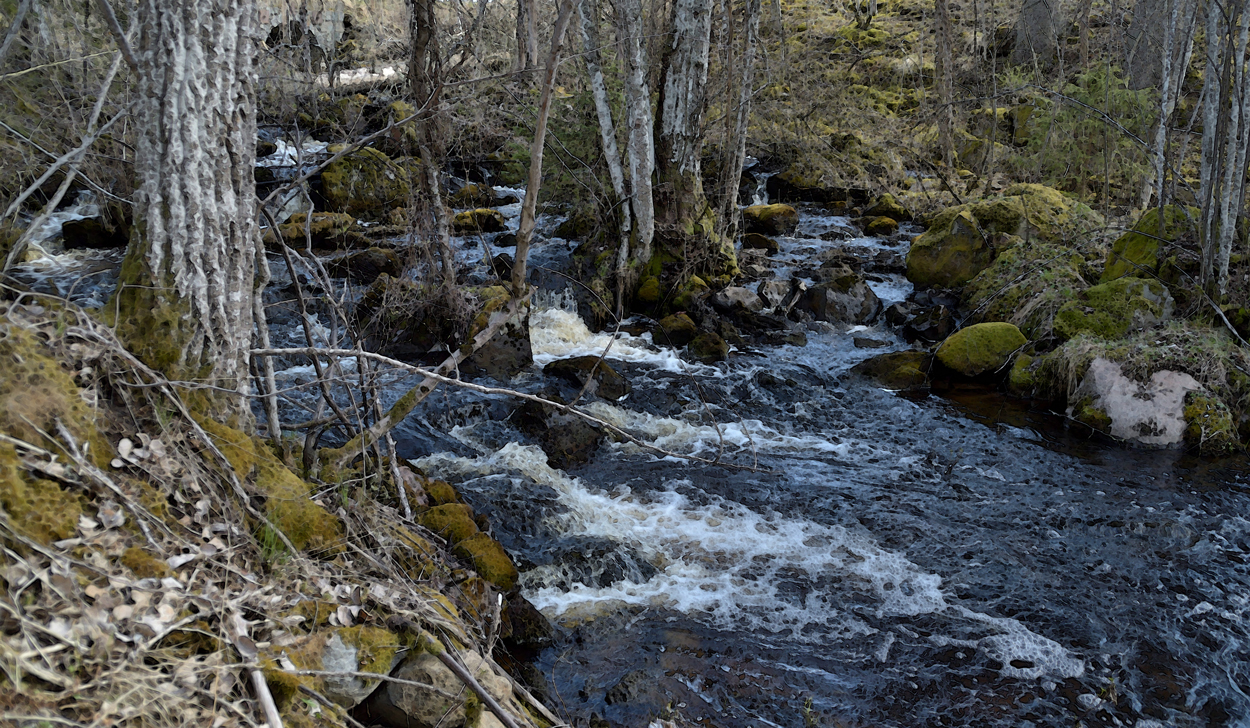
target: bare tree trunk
425 79
736 139
1165 111
945 84
525 229
640 143
589 12
526 35
184 302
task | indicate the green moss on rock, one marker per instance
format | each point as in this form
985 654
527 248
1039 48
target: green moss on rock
489 560
480 220
1209 425
1025 285
775 219
649 291
328 230
365 183
887 206
881 226
981 348
899 370
1021 380
1111 310
1136 253
452 521
288 502
708 348
39 509
676 330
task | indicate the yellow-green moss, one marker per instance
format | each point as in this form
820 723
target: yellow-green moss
1136 253
649 292
1020 380
287 497
36 394
365 183
144 565
452 521
441 492
489 560
1209 425
39 509
1111 310
1025 285
481 220
981 348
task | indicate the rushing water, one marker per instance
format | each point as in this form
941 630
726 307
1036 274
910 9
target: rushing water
868 560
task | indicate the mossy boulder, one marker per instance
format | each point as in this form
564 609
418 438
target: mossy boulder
1021 379
900 370
288 499
473 195
327 230
578 225
1111 310
690 292
1209 425
775 219
649 291
510 350
887 206
365 183
676 330
480 220
1137 252
345 650
607 383
880 226
756 241
452 521
960 241
1025 285
981 348
489 560
708 348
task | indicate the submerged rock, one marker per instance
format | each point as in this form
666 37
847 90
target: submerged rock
607 383
1111 310
902 370
981 348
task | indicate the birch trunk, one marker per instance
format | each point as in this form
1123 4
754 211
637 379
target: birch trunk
526 35
425 81
184 302
736 139
640 143
588 10
1234 142
945 72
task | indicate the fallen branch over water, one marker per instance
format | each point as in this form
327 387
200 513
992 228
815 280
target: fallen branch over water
437 378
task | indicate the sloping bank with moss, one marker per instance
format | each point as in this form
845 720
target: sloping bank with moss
1106 326
175 570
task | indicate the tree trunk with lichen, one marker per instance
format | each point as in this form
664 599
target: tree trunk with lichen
684 218
184 302
425 81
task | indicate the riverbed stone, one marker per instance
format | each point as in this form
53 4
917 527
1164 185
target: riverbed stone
327 230
900 370
775 219
736 298
607 383
1209 425
364 266
756 241
1148 413
981 348
509 351
931 324
473 195
844 298
1112 310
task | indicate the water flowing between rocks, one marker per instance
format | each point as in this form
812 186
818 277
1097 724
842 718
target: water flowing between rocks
888 562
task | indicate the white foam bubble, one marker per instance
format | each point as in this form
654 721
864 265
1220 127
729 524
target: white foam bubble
559 334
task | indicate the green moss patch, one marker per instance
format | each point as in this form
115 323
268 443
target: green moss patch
39 509
1025 285
1111 310
489 560
1137 252
452 521
1209 425
365 184
981 348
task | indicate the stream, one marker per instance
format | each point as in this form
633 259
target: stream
869 560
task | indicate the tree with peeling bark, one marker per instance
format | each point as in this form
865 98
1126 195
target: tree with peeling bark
189 282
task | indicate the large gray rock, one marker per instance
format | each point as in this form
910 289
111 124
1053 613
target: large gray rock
1150 413
399 704
844 298
737 298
